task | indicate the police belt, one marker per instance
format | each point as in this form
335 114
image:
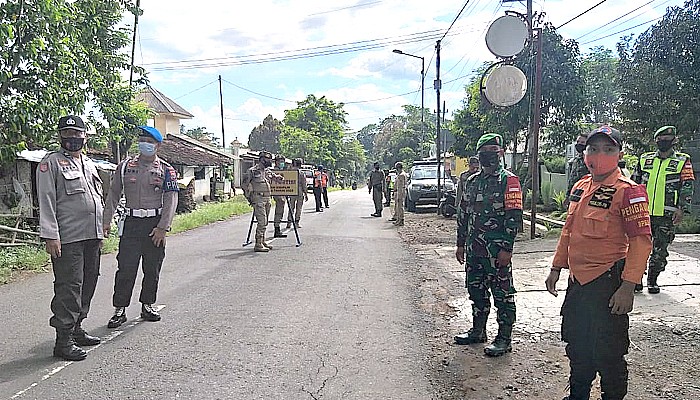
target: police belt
143 212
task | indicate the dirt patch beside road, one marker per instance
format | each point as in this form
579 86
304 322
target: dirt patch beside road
662 356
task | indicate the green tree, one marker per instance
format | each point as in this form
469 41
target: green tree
601 86
266 136
201 134
56 57
660 76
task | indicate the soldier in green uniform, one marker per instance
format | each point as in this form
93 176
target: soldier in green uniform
491 214
577 168
473 168
668 176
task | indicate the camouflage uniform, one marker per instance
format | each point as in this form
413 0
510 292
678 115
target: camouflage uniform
577 170
677 194
491 214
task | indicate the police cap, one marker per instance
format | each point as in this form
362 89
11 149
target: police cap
149 131
71 122
665 130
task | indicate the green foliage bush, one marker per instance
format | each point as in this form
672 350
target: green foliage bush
555 164
690 224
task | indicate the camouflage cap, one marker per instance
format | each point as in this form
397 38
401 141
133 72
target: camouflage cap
489 138
611 133
665 130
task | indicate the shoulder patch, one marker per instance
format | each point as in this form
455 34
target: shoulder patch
514 194
687 173
635 211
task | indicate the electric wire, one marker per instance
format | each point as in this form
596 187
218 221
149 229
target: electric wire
195 90
624 30
609 28
616 19
601 2
455 20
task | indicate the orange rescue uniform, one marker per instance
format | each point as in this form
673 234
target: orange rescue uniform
606 222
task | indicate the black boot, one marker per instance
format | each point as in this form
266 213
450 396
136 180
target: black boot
501 345
652 286
82 338
148 313
477 334
638 288
118 318
278 233
66 349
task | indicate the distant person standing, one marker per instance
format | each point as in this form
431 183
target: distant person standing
473 168
399 194
387 188
375 186
256 187
324 186
296 203
280 201
69 191
577 167
492 213
150 188
668 176
318 187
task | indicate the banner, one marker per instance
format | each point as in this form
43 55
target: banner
288 186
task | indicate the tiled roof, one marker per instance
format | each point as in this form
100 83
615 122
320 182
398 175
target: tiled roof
177 151
160 103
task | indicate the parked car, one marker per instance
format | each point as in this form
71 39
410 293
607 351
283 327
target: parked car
309 174
421 187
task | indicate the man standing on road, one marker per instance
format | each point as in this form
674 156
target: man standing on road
256 187
473 169
324 186
69 191
280 201
149 185
296 203
668 176
318 187
607 212
375 186
492 213
577 168
399 194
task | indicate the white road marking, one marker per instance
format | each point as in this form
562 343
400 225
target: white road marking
65 364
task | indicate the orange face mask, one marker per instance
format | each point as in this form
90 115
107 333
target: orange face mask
601 164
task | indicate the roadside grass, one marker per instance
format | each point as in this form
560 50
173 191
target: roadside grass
34 258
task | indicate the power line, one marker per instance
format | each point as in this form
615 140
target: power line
455 20
198 89
616 19
256 93
624 30
602 1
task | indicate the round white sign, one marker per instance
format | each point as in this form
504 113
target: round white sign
507 36
504 85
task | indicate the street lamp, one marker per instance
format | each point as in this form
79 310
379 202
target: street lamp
422 93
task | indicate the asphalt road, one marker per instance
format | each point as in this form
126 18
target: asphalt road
335 318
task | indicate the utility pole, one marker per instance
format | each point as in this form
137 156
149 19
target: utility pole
534 159
133 41
221 102
438 85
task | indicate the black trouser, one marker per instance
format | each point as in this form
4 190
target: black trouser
324 192
597 340
136 245
317 197
75 278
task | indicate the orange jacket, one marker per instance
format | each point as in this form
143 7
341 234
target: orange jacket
320 179
607 221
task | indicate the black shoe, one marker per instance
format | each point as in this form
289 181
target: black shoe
328 206
653 289
278 233
118 318
652 286
376 215
471 337
148 313
499 347
81 338
638 288
69 351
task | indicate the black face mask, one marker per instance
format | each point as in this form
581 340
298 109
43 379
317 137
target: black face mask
664 145
376 168
488 158
580 148
72 143
266 162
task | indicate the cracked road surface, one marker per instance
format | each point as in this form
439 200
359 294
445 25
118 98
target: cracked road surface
336 318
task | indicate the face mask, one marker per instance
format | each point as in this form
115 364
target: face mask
282 165
601 164
72 143
266 162
664 145
147 149
376 168
580 148
488 158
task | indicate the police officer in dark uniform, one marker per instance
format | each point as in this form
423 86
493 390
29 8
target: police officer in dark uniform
149 185
70 220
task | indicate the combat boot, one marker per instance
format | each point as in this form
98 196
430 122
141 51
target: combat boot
264 243
638 288
82 338
118 318
501 345
652 286
278 233
477 334
259 247
65 347
148 313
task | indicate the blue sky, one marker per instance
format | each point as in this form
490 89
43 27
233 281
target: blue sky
340 49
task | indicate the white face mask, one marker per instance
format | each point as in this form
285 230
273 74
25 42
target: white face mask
147 149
